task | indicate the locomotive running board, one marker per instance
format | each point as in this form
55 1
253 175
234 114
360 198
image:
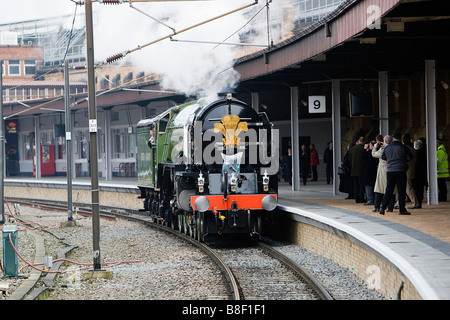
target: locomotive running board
243 201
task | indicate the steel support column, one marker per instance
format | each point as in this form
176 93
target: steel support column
295 147
2 150
255 101
430 104
37 145
336 127
383 92
108 145
93 136
69 150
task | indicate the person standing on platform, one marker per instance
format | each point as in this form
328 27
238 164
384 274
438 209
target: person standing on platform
328 160
397 156
314 161
410 173
368 173
442 170
420 176
355 154
345 182
304 163
287 167
381 181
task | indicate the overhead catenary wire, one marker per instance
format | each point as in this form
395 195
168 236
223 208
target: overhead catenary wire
121 55
250 20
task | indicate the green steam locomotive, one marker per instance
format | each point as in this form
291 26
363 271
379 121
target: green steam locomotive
209 168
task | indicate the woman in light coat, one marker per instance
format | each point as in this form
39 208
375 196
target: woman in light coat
381 181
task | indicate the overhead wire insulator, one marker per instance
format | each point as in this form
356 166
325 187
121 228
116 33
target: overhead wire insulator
116 57
111 1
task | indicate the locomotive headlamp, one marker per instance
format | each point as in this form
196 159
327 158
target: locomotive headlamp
265 181
200 182
269 203
201 204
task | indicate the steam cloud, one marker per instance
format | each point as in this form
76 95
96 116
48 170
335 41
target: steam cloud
190 68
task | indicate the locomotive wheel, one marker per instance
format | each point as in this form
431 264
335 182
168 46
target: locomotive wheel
185 225
168 217
174 221
189 231
200 226
194 227
259 225
181 222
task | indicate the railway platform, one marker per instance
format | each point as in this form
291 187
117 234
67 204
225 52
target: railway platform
416 246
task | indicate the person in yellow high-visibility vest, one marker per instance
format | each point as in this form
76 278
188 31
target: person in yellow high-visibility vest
442 170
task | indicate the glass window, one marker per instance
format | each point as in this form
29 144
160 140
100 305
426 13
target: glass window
131 145
60 148
163 123
14 67
28 145
82 147
124 143
30 67
118 143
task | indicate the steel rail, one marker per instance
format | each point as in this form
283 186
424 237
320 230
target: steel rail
226 271
297 269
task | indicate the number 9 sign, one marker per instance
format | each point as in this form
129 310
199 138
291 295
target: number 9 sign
317 104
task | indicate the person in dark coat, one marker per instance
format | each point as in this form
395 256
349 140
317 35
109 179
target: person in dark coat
345 183
328 160
397 156
368 174
287 167
420 176
304 163
356 161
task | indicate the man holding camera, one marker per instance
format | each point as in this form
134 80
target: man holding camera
397 156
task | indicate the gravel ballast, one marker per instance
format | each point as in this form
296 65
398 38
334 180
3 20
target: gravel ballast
157 265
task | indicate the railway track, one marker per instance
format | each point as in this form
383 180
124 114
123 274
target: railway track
252 272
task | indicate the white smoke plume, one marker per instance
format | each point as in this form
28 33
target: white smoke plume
190 68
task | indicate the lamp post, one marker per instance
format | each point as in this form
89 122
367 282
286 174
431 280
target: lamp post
93 135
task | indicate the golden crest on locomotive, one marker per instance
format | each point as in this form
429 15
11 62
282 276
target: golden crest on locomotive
231 127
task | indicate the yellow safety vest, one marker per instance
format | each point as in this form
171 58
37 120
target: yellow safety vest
442 162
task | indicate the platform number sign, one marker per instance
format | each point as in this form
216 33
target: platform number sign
317 104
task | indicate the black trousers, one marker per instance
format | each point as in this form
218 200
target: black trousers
358 190
395 179
329 172
442 187
378 197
